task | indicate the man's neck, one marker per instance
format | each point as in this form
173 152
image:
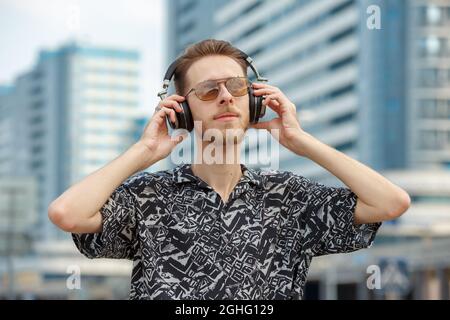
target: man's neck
222 173
221 177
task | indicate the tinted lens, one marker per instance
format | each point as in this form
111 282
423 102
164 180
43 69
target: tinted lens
237 86
207 90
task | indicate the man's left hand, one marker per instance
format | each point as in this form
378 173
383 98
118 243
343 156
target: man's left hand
286 125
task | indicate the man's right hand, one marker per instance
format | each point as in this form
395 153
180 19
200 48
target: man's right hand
156 136
78 208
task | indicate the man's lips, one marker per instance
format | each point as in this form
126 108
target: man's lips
226 115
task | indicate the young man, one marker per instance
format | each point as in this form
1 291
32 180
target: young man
222 230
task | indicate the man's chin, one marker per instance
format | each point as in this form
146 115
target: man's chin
229 126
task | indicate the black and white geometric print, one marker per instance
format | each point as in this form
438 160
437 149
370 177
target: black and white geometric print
186 243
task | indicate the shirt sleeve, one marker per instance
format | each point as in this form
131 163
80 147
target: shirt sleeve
327 219
118 236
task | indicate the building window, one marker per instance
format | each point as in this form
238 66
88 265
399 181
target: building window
433 140
186 28
430 15
426 140
252 30
346 146
37 105
37 164
35 90
187 6
36 119
37 149
342 7
433 46
244 12
427 107
343 34
434 15
433 77
341 91
342 63
37 75
342 119
442 109
37 134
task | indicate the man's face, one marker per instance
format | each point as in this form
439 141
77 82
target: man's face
209 112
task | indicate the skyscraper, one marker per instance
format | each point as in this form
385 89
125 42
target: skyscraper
429 95
358 89
68 116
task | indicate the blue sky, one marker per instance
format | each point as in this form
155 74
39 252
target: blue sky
26 26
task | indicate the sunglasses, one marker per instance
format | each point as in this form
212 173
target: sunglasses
209 89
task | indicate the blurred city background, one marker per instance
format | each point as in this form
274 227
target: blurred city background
78 82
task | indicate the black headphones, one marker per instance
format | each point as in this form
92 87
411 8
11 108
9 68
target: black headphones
184 119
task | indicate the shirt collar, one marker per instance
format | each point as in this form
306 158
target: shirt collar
183 174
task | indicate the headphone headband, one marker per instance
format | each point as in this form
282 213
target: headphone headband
171 71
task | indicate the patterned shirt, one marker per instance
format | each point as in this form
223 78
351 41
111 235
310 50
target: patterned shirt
186 243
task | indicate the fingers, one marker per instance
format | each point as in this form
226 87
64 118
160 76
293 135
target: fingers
277 101
262 88
159 116
173 102
176 97
271 99
169 104
272 103
168 107
270 95
264 92
156 127
169 112
274 98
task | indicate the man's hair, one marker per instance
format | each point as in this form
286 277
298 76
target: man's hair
196 51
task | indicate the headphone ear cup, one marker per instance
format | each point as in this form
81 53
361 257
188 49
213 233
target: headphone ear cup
252 105
184 118
262 107
257 109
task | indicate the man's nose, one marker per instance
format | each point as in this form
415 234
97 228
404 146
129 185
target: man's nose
225 97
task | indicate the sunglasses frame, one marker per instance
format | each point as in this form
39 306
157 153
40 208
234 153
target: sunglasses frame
218 81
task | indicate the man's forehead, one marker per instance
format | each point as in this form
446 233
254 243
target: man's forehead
222 77
207 70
